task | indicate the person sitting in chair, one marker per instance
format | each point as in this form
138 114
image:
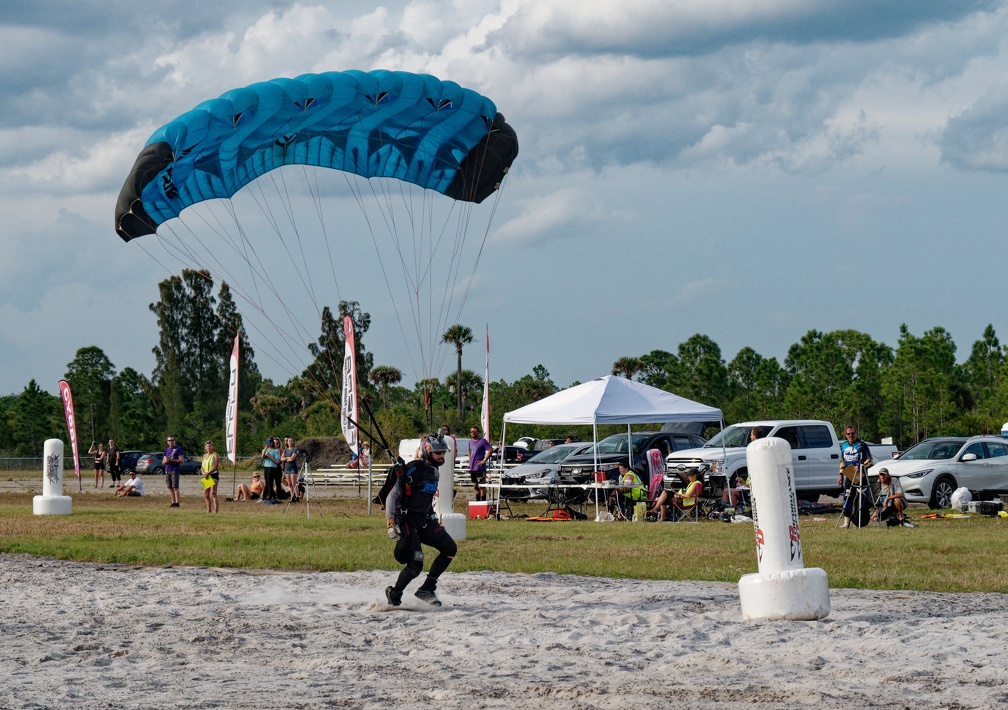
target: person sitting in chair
681 501
892 502
631 490
735 491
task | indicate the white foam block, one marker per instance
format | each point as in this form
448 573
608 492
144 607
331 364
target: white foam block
455 524
797 595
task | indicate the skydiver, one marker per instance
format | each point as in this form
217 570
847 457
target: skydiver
412 522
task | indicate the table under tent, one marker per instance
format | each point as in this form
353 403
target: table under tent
611 400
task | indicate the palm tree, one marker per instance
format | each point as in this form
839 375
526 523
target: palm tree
458 335
471 384
383 376
628 367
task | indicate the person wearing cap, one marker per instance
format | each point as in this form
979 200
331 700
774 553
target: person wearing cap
253 492
892 502
479 454
133 486
412 522
172 459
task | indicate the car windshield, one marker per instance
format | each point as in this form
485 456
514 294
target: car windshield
554 453
939 450
617 443
735 435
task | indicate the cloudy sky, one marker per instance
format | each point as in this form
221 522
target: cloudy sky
746 170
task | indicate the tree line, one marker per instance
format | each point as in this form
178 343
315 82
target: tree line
910 392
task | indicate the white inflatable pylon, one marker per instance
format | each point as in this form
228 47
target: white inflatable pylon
52 501
783 588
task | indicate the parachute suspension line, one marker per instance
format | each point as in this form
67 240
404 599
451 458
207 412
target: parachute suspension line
175 242
172 244
303 271
313 188
292 361
358 197
304 275
381 194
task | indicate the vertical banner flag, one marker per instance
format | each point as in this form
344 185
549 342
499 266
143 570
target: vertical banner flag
71 423
349 409
231 413
485 414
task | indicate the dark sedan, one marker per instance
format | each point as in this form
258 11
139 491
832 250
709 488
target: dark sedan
151 464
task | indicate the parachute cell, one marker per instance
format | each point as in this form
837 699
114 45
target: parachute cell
410 127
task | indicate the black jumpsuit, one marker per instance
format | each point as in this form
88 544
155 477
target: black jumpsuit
413 500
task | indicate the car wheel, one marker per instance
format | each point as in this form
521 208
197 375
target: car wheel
941 492
158 471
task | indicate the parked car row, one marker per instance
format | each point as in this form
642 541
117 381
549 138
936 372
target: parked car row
538 470
931 471
150 463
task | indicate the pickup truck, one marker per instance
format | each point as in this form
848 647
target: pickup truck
815 452
620 447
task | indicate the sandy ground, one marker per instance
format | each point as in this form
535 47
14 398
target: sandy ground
89 635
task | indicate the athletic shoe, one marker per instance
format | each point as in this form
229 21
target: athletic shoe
908 524
426 595
393 595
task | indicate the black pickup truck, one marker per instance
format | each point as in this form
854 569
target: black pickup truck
620 447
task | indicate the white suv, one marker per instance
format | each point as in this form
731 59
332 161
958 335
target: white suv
933 469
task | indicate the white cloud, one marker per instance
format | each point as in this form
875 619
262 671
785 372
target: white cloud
683 144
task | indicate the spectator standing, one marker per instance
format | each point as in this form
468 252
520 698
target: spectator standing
113 457
172 459
211 471
479 454
271 470
289 460
853 452
99 463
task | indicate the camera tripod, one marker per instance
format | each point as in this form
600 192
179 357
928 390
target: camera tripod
309 491
860 497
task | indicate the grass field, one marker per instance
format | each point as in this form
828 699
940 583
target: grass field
955 555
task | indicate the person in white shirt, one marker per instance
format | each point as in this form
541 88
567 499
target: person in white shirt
133 486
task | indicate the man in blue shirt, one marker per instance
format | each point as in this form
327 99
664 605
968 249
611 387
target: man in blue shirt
479 453
173 457
853 452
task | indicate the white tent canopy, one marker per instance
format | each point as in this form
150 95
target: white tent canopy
613 400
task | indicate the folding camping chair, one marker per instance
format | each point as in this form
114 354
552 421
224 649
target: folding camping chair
691 513
655 490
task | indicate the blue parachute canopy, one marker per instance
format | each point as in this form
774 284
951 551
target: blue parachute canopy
410 127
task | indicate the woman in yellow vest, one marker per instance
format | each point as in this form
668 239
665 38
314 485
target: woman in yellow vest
681 501
211 476
630 491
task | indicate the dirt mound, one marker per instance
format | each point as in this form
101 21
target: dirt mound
325 450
